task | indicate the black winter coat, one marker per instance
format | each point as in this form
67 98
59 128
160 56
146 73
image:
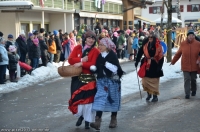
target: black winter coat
13 60
114 40
155 69
22 45
34 51
58 43
43 48
100 64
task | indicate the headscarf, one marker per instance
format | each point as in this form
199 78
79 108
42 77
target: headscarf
158 55
108 43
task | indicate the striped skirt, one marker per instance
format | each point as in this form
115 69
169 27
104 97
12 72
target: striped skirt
108 96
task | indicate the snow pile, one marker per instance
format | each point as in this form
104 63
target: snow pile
37 75
129 81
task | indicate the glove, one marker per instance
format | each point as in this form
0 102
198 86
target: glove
136 64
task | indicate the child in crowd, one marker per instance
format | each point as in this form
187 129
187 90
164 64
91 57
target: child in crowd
79 41
13 60
135 46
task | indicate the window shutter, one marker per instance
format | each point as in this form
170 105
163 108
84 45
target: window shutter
189 8
151 10
181 8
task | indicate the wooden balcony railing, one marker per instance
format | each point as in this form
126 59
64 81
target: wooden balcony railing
89 5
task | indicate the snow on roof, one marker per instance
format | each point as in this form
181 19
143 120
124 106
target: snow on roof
16 3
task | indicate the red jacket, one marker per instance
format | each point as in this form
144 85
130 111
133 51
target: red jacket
76 56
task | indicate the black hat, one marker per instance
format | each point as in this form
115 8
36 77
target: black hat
1 34
42 30
36 32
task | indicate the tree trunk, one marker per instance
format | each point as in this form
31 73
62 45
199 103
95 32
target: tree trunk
162 12
169 32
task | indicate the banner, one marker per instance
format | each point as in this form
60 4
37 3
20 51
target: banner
42 3
103 2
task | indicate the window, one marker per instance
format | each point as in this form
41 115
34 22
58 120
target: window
130 22
195 8
175 10
155 10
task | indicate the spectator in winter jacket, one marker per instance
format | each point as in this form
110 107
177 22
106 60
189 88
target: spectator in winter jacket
66 46
13 60
129 45
34 53
58 46
60 35
120 44
43 49
114 38
3 59
11 41
140 40
72 41
135 46
51 48
21 40
42 32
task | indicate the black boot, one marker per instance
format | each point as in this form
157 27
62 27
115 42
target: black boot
148 96
79 122
155 98
193 93
87 125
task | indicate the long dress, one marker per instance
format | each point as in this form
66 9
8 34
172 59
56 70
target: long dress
153 55
83 87
108 96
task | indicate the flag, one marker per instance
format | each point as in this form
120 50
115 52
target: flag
103 2
99 3
96 1
42 3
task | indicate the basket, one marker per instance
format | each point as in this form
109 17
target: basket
69 71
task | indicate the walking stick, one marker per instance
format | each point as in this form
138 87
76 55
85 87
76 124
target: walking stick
139 84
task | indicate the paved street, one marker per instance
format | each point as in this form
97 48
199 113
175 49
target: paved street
45 106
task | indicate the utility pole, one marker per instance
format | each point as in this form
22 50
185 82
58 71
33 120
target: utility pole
178 9
169 31
162 13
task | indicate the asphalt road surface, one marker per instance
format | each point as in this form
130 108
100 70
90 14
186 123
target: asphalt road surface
44 107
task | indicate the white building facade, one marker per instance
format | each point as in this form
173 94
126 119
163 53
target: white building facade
189 10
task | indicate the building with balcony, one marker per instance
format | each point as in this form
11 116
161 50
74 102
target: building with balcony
60 14
189 10
70 14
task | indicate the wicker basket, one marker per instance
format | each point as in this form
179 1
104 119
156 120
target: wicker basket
69 71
